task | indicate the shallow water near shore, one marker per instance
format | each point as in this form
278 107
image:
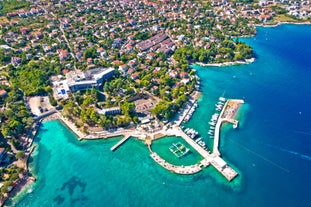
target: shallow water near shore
270 150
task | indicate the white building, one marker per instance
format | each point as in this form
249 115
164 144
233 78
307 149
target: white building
82 80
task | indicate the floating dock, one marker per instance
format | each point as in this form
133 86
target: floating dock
123 140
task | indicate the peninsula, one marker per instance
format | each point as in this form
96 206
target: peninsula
110 68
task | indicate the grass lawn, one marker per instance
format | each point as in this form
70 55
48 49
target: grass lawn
285 18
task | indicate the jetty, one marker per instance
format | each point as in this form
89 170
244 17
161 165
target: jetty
122 141
192 169
226 115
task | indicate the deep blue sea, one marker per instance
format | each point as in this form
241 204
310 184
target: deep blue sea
271 150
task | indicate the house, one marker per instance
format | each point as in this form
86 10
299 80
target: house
132 63
150 56
3 156
123 68
134 76
130 71
24 30
89 61
38 35
78 55
100 50
116 62
16 61
173 74
28 56
63 54
183 75
3 93
46 48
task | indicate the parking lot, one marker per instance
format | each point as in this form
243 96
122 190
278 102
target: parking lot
39 104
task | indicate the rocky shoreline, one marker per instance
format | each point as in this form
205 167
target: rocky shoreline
247 61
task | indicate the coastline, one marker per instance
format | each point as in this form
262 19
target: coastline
244 181
251 60
280 23
247 61
27 179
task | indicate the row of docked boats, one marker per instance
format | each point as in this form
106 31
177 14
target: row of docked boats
198 83
202 144
191 133
213 122
194 135
219 106
190 112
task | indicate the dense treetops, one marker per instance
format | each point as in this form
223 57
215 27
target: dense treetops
227 52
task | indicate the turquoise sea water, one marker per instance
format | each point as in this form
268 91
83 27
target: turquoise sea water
271 149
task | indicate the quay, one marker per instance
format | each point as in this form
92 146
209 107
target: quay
230 108
123 140
178 132
225 116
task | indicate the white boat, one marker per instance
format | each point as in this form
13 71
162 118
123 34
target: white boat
219 105
200 138
222 99
201 143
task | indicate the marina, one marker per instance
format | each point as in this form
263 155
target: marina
229 109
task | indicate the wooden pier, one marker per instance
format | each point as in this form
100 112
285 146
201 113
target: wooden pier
123 140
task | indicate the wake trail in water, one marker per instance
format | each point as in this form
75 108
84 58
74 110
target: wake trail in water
260 156
302 132
302 156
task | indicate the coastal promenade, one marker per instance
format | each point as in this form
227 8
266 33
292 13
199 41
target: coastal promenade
247 61
71 126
